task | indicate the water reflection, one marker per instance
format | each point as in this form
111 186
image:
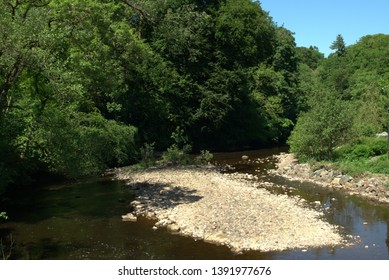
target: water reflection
83 221
387 235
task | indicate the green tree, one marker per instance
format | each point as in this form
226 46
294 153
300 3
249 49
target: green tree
323 128
339 46
309 56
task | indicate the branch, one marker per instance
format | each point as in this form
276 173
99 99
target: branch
143 13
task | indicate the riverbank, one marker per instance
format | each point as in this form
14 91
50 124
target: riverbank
205 204
369 186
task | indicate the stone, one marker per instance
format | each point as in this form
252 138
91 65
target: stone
173 228
244 157
344 179
129 218
382 134
348 185
336 181
150 215
135 202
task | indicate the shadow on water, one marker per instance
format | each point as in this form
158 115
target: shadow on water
173 196
83 220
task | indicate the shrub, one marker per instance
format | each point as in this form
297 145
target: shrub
147 155
176 155
204 157
364 148
320 130
3 215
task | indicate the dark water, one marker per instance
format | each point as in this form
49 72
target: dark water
83 221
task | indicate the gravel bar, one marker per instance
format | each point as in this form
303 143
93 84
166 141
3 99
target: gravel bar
205 204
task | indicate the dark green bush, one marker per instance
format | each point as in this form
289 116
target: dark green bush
364 148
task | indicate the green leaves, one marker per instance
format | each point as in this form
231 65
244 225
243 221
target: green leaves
76 144
245 33
80 80
323 128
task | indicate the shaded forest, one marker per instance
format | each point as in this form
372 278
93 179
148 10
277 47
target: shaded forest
84 85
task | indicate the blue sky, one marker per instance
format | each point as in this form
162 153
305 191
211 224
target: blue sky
317 23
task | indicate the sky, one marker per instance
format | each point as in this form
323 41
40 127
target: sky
318 22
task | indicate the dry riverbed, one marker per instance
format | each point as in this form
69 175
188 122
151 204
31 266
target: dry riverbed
205 204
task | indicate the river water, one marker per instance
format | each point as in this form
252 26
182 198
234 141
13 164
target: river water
83 221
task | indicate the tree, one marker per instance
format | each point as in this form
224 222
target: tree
339 46
309 56
323 128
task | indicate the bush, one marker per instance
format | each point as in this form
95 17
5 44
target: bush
364 148
79 144
320 130
176 155
147 155
3 216
204 157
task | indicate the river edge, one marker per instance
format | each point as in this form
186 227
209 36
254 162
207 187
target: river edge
205 204
370 186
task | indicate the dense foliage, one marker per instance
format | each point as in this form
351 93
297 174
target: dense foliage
83 84
89 84
346 98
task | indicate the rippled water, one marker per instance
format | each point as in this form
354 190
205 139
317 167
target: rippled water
83 221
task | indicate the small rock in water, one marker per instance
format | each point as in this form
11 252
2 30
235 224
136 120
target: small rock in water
365 223
366 247
244 157
154 228
304 250
173 228
129 218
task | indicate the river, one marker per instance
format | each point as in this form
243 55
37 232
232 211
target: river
82 220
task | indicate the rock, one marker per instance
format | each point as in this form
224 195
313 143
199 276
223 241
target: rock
348 185
129 218
154 228
244 157
336 181
317 172
150 215
173 228
382 134
344 179
135 203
